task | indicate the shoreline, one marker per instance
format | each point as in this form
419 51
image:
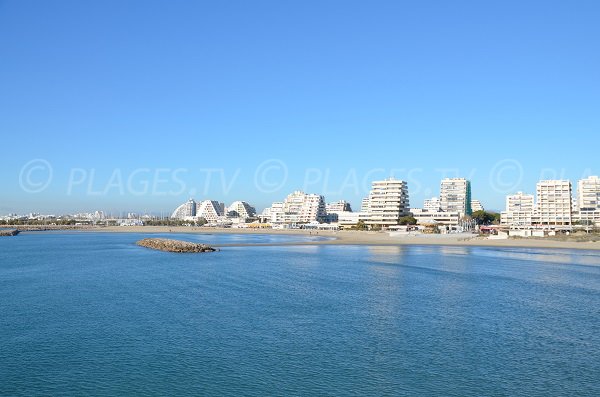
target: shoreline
347 237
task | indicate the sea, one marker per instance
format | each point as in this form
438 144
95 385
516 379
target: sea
92 314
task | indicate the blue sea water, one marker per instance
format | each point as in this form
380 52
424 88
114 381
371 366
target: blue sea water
93 314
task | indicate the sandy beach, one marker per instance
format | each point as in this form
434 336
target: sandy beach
363 238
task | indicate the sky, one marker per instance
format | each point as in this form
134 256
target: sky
140 105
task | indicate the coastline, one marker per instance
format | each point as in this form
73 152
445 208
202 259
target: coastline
348 237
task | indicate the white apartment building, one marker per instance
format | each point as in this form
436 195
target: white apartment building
241 209
388 202
190 210
364 205
455 195
338 206
554 205
298 207
476 206
273 214
185 211
210 210
519 211
433 204
588 201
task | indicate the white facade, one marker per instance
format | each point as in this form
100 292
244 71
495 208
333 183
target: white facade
347 219
185 211
476 206
519 211
210 210
364 205
297 208
241 209
338 206
388 202
554 205
588 201
191 210
424 217
455 195
433 204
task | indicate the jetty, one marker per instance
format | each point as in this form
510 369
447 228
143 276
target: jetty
9 232
170 245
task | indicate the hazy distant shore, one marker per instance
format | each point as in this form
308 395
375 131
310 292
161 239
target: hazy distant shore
351 237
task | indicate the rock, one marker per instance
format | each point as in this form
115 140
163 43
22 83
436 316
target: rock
11 232
169 245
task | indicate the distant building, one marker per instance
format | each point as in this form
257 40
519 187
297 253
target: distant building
186 210
476 206
241 209
388 202
455 195
190 210
433 204
338 206
554 205
210 210
364 205
519 211
297 208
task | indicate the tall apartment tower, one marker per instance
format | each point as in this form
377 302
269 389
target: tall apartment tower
388 202
588 200
554 204
455 195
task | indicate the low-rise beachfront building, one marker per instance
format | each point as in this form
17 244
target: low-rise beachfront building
347 220
449 220
519 211
388 202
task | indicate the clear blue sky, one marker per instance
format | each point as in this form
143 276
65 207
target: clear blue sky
354 90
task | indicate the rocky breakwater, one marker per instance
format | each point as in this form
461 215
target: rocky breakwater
9 232
169 245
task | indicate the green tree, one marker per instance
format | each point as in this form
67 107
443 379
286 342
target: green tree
485 218
360 225
407 220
